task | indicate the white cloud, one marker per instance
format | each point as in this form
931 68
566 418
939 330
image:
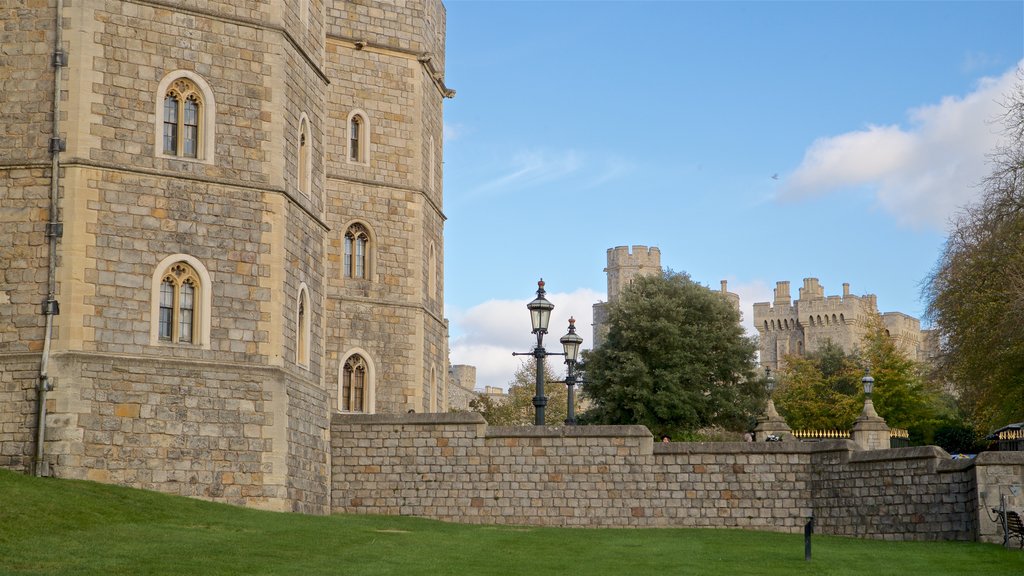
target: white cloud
750 292
535 167
922 174
452 132
486 334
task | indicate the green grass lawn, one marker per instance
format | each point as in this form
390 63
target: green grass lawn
68 527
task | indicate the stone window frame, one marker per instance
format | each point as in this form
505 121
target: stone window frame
202 304
432 271
303 327
186 83
304 156
431 160
369 384
348 266
359 151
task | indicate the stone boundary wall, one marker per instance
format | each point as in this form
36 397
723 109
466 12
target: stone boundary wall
455 467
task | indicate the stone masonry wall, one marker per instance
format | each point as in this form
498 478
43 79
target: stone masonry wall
454 467
999 475
902 494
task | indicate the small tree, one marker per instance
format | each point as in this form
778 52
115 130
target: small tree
517 409
823 389
820 390
675 360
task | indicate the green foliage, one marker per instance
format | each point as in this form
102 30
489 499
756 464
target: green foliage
517 409
958 438
820 391
823 390
976 291
59 527
675 360
903 396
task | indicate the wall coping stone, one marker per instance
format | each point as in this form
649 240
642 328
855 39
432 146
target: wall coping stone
753 447
631 431
910 453
414 418
992 458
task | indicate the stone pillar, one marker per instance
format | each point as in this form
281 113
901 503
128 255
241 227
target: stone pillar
870 431
771 424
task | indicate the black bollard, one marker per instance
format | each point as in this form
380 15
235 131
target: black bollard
808 530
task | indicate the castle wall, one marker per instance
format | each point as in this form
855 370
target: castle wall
240 413
455 467
805 325
375 60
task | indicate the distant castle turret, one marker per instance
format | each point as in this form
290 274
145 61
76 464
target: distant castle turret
623 266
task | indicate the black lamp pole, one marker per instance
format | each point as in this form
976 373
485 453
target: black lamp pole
571 344
540 314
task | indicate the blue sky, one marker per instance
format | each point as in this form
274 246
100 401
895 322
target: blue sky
751 142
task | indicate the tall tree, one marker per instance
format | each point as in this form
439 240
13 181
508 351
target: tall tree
819 391
516 408
976 291
823 389
675 359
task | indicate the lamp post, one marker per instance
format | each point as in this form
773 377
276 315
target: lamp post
770 425
571 345
870 431
540 314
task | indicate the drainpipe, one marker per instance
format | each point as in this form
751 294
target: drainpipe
54 230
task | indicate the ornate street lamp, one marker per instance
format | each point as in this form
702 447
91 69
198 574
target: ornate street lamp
868 382
540 314
571 345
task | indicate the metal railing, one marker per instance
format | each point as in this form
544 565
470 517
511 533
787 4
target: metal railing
1011 440
898 437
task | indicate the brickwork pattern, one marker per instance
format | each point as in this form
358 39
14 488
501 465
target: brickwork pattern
18 379
453 467
901 494
26 81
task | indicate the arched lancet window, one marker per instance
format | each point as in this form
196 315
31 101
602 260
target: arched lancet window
842 320
182 112
431 272
184 117
833 318
819 319
302 328
354 384
180 302
765 325
305 159
179 293
430 163
358 138
810 320
433 389
357 252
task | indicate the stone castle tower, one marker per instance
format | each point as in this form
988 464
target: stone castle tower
220 223
801 326
623 266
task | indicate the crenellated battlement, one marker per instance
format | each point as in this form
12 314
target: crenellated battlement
797 326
